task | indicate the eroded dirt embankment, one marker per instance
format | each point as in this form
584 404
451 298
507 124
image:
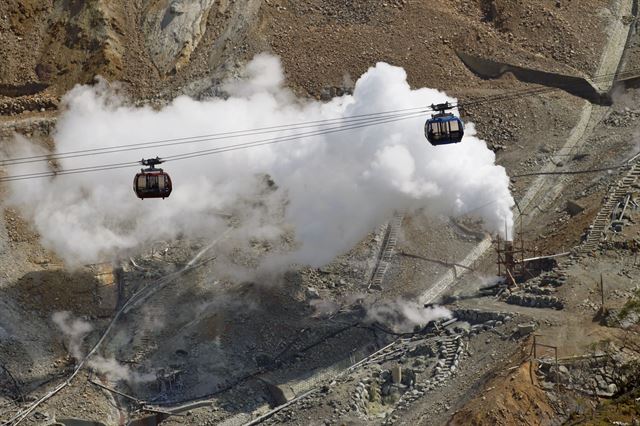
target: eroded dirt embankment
511 398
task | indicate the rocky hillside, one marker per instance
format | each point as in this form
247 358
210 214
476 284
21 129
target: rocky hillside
166 47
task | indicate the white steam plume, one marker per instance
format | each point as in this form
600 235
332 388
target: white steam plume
339 186
402 315
74 331
115 371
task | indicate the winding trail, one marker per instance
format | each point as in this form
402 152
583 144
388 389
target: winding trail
543 191
540 192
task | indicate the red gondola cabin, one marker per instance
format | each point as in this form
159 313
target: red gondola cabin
152 182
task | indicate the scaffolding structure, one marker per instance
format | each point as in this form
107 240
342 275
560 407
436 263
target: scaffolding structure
512 264
510 261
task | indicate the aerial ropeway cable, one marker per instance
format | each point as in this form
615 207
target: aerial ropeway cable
361 118
218 150
450 130
296 126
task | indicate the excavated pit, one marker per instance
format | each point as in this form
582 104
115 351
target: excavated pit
577 86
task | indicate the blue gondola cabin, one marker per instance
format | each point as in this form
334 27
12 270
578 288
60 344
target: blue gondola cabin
443 128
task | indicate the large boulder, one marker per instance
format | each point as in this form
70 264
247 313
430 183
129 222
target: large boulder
574 208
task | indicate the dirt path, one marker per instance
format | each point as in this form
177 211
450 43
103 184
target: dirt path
590 115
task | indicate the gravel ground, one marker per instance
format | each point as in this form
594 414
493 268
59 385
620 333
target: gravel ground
289 323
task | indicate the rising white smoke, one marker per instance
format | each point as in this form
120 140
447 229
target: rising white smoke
403 315
114 371
74 331
339 186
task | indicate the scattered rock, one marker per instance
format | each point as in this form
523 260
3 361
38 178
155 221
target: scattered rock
312 293
524 329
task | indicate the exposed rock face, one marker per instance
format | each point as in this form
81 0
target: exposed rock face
58 43
90 27
173 29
